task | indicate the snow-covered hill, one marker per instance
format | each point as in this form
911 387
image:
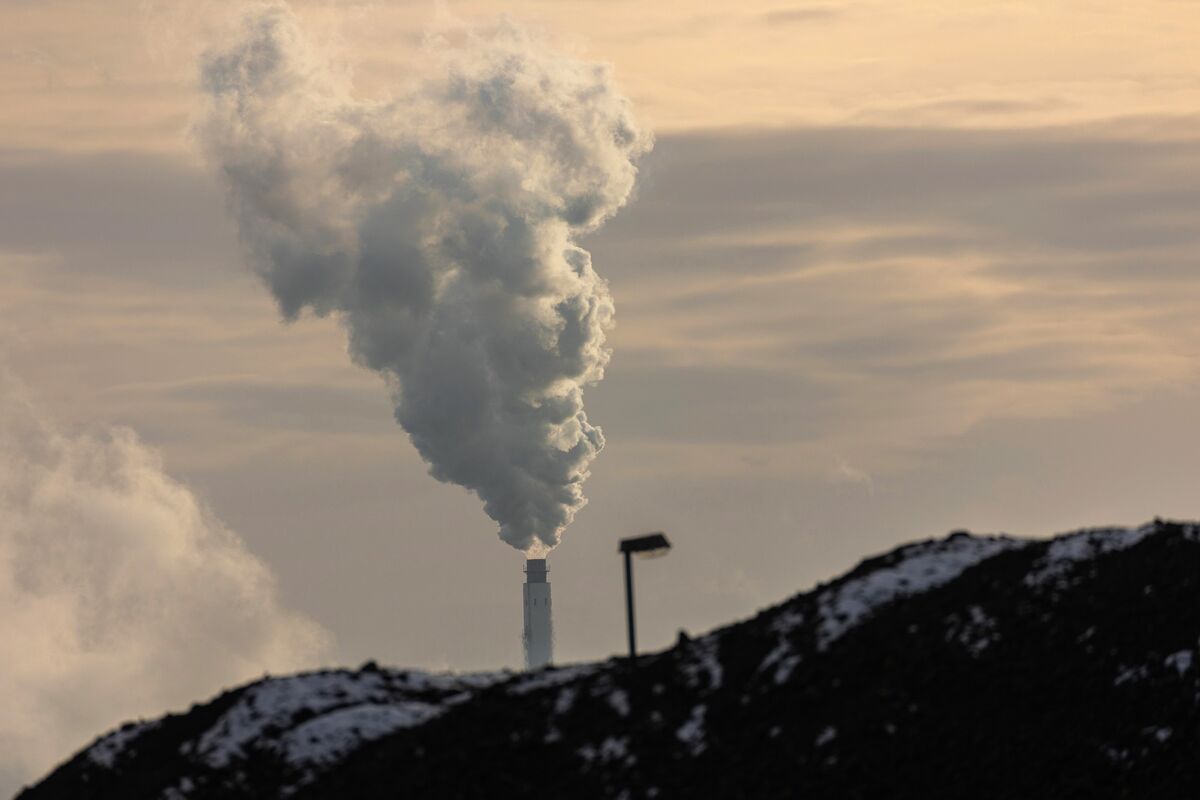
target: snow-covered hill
962 667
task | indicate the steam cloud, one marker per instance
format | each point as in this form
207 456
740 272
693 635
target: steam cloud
119 594
440 227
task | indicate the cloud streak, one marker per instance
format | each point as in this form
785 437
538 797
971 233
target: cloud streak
802 14
921 281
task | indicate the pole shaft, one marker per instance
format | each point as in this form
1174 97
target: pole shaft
629 607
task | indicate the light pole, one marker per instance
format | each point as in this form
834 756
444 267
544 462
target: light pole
651 545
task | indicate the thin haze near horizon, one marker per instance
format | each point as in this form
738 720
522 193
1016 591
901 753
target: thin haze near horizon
888 271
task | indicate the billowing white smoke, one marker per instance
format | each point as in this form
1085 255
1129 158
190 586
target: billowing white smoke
119 594
440 228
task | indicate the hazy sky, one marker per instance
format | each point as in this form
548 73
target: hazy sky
891 269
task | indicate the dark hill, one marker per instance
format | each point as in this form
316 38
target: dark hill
968 667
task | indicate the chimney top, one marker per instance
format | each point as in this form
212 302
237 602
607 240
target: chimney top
535 570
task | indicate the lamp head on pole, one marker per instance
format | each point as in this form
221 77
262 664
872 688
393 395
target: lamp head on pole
651 545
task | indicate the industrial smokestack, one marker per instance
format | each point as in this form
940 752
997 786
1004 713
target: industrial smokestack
539 628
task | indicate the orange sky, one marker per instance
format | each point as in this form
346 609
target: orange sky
104 75
892 269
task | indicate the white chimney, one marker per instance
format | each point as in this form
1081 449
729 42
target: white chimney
539 629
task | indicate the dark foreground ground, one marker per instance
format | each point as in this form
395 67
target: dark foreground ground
968 667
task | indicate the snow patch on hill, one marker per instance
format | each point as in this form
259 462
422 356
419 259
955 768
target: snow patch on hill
315 720
550 677
284 703
1181 662
1067 551
328 738
108 749
692 732
702 662
975 630
783 658
921 567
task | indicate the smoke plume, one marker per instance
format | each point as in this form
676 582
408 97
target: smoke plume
119 594
440 227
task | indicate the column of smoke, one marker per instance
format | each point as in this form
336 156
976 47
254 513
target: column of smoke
440 226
